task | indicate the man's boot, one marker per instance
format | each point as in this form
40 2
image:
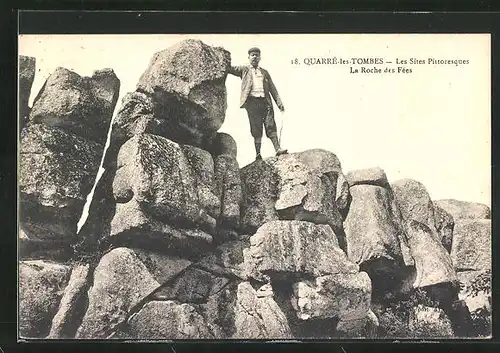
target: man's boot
257 143
277 148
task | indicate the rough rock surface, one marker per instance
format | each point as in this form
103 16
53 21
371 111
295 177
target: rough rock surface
135 116
80 105
203 166
428 322
414 202
193 286
122 280
371 176
27 67
229 190
155 188
471 248
260 182
432 261
464 209
41 286
187 80
300 186
70 307
287 249
444 226
57 171
258 318
158 320
376 239
373 228
344 296
226 260
224 144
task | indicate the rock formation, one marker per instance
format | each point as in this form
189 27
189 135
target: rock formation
180 243
61 148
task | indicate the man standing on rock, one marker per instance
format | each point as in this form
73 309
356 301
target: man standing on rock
256 91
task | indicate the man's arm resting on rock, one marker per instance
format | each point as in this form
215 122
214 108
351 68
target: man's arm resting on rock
236 70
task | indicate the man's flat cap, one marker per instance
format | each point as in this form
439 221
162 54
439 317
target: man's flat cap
254 49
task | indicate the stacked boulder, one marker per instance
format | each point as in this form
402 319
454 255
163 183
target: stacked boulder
60 150
295 204
166 213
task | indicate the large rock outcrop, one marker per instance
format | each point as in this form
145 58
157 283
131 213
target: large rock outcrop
187 81
180 243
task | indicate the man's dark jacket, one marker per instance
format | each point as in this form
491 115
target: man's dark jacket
246 85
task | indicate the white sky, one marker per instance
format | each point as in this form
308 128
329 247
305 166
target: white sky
432 125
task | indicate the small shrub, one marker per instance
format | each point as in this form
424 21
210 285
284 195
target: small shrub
395 316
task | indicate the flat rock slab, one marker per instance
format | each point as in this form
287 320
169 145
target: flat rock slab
80 105
41 286
291 249
370 176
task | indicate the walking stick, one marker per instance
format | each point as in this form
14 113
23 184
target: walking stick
281 127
